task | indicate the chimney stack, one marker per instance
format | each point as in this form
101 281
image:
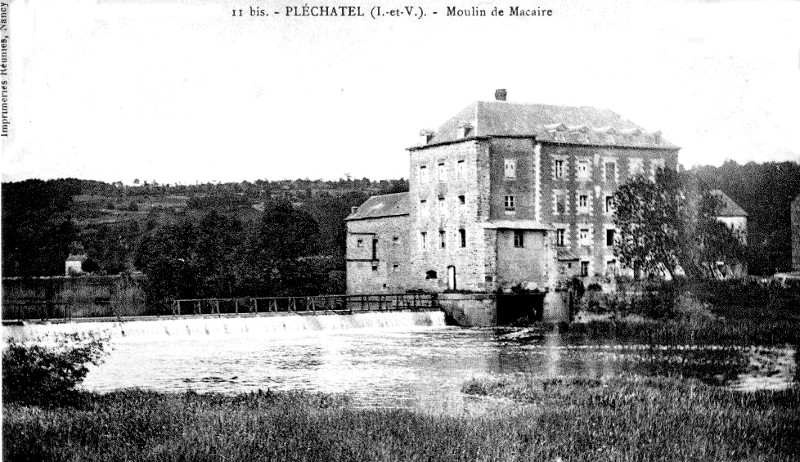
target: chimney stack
354 209
500 94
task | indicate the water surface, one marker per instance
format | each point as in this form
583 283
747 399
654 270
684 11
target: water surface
419 367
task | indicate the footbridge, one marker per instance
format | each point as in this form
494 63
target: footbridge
306 304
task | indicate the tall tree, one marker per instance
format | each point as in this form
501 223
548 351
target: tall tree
646 215
283 237
672 223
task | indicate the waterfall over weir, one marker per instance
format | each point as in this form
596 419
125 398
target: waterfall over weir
231 326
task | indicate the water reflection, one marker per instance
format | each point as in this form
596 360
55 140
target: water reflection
420 368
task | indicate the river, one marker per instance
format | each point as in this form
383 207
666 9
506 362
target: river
394 360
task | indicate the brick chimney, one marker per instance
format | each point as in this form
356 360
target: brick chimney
500 94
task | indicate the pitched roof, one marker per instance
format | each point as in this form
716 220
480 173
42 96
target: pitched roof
385 205
562 124
729 207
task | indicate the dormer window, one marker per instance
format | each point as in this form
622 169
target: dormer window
425 137
464 130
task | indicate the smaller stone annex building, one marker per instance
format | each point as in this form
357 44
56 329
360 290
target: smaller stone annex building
503 195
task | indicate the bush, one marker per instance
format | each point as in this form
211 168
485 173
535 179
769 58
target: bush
47 373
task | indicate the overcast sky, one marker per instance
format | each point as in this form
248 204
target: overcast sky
179 91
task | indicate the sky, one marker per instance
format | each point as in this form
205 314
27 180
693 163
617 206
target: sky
182 92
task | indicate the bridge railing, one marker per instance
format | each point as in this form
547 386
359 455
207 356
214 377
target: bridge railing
313 304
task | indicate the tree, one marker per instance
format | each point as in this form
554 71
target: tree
672 223
646 215
283 236
706 240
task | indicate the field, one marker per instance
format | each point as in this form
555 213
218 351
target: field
619 418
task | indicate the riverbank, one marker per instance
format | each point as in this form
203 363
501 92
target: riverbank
617 418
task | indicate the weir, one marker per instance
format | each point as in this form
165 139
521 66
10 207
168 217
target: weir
258 326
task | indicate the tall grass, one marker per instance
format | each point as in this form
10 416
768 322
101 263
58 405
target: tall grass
572 419
678 332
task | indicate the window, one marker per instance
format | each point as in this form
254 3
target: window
610 237
636 167
519 239
442 239
584 268
395 268
462 200
611 171
442 171
509 204
561 202
423 240
559 168
374 249
360 243
609 204
430 274
560 233
395 240
442 207
461 169
423 208
655 165
511 168
583 236
583 203
462 234
374 267
423 174
583 170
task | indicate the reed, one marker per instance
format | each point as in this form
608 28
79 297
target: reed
581 419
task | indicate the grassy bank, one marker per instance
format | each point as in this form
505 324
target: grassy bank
579 419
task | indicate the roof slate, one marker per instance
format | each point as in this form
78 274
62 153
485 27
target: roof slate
385 205
729 207
561 124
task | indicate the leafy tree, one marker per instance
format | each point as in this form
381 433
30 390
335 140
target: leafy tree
282 237
765 191
47 374
215 254
646 215
672 222
165 256
706 240
37 226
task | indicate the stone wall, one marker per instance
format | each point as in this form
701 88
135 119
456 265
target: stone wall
470 310
389 269
444 209
600 182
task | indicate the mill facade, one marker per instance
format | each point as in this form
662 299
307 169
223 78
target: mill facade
503 195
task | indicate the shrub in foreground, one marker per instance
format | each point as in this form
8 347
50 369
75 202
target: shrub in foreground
46 372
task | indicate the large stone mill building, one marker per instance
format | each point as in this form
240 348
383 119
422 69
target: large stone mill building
502 195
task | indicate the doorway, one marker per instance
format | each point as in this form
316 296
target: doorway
451 278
